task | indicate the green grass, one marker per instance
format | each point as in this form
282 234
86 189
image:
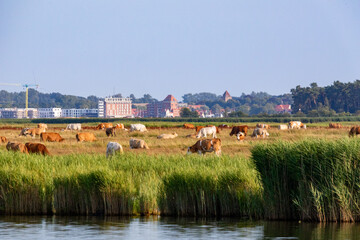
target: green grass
129 184
311 180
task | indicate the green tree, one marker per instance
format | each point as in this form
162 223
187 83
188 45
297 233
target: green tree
187 113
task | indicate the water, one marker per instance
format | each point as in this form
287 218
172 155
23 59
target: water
20 227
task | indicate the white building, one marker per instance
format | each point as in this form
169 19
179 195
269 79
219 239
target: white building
18 113
115 107
76 113
101 109
49 112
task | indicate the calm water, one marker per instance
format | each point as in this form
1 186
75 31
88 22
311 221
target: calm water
166 228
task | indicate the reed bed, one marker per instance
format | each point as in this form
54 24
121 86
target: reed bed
129 184
311 180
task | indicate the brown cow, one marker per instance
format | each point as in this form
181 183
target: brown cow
13 146
237 129
51 137
3 139
34 131
206 145
104 126
119 126
42 125
85 137
197 128
110 131
37 148
335 125
354 131
189 126
223 126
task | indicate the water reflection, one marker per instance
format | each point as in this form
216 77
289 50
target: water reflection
34 227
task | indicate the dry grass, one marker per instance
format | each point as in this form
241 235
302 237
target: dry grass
179 145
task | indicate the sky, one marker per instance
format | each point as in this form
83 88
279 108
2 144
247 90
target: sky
161 47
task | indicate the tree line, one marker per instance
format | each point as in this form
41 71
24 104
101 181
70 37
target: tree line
336 98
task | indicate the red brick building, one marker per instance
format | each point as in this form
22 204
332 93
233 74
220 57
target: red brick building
166 108
114 107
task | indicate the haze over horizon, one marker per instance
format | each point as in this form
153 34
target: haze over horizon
164 47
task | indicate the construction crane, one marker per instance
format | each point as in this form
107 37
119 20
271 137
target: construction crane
26 86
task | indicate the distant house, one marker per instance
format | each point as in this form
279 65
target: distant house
283 108
226 96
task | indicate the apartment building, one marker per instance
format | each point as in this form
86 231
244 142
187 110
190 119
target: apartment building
49 112
114 107
77 113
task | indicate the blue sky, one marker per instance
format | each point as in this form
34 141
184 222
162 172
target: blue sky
87 47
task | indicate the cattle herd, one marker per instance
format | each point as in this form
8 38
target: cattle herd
202 146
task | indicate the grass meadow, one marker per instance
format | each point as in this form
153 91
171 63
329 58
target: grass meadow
308 174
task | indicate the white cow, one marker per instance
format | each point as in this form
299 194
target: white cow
207 131
112 148
73 126
240 136
138 127
167 136
137 143
283 127
295 124
260 132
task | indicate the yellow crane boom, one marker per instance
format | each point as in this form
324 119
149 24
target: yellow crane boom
26 86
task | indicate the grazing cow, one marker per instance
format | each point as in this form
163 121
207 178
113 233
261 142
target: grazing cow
42 125
119 126
51 137
283 127
73 126
335 125
223 126
235 130
24 132
167 136
85 137
240 136
3 139
262 125
354 131
104 126
206 145
217 129
112 148
207 131
198 128
34 131
189 126
138 127
37 148
138 143
110 131
260 132
296 125
13 146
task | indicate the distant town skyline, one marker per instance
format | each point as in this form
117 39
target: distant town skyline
101 48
